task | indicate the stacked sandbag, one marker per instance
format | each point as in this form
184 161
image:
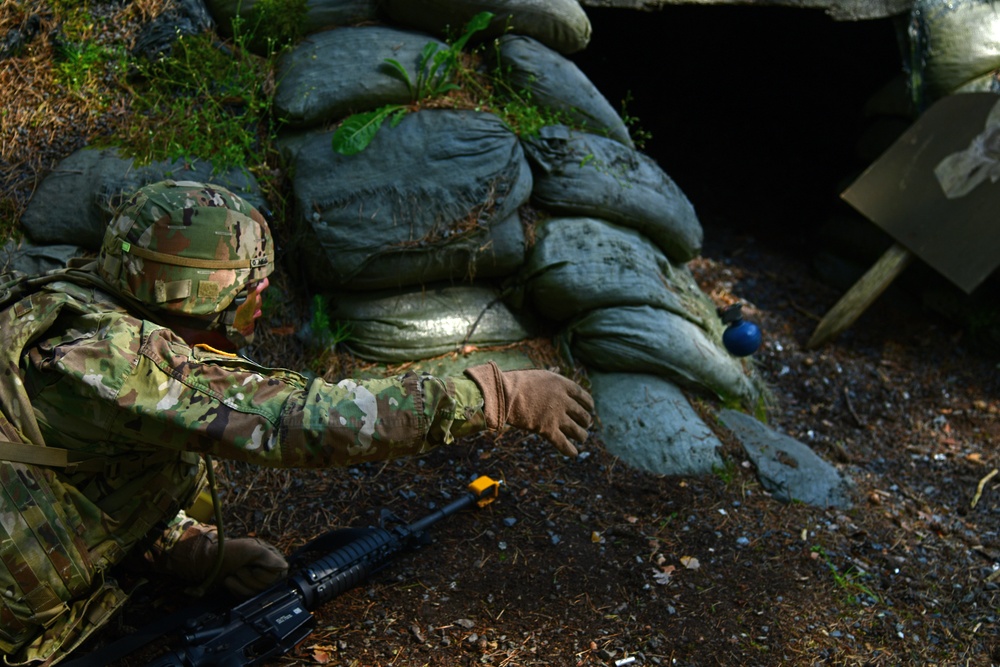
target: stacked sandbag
450 232
557 83
584 174
614 274
176 19
406 325
625 307
648 422
643 339
77 200
317 15
954 48
334 73
580 264
560 24
434 200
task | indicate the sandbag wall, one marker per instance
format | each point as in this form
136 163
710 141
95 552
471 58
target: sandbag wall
419 238
450 230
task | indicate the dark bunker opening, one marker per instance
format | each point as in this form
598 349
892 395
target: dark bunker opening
756 112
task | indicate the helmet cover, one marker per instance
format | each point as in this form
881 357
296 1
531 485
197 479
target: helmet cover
185 248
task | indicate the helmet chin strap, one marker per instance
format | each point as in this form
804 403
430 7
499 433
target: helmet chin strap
237 329
196 330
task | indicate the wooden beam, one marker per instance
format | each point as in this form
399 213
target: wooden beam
861 295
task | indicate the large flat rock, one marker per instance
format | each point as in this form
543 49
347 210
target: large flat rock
790 470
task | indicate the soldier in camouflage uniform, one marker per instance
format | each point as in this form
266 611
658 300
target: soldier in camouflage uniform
125 374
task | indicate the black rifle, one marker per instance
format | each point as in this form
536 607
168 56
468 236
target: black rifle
276 620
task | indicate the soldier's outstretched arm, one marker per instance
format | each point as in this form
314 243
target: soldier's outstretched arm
163 393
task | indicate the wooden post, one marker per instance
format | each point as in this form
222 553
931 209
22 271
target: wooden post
861 295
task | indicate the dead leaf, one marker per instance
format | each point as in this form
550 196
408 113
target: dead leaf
690 562
662 576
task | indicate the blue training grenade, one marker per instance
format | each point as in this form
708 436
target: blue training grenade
741 338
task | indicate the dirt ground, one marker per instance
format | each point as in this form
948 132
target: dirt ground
588 562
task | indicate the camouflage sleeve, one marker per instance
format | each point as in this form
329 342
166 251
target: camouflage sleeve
130 383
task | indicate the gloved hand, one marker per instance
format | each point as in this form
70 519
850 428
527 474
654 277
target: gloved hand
537 400
249 565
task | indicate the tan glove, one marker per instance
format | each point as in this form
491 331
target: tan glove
541 401
249 565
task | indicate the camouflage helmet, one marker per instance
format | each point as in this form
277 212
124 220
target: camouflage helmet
185 248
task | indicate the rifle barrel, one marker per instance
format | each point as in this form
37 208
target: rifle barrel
482 491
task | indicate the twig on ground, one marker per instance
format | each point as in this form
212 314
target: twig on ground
850 408
981 486
808 313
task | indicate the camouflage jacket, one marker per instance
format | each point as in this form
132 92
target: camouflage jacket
107 382
101 381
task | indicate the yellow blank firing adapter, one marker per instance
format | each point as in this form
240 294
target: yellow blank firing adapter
485 489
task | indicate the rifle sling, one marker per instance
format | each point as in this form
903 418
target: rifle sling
52 457
73 462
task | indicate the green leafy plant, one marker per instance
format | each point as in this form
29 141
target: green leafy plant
437 65
82 65
725 472
326 334
848 580
639 135
435 77
276 23
84 59
204 101
519 111
359 130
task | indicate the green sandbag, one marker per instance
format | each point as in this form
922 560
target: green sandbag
643 339
318 15
582 264
559 24
435 183
557 83
583 174
489 252
400 326
952 43
77 200
338 72
647 422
